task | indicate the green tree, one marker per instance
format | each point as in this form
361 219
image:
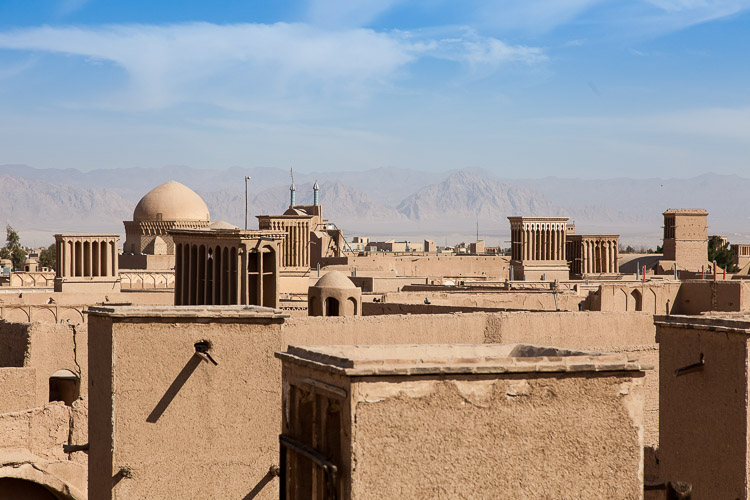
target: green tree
48 257
721 253
13 249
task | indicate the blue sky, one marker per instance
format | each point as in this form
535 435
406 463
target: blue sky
580 88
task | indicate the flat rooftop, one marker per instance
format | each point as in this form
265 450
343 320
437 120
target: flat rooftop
717 321
188 312
362 360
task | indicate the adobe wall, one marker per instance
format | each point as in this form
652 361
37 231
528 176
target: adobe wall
17 389
31 279
14 343
704 417
56 307
517 424
655 297
221 421
146 279
382 284
700 296
47 348
435 266
386 308
623 332
56 347
403 329
145 378
538 300
31 448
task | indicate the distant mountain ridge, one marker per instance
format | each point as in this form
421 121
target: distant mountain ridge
44 205
385 202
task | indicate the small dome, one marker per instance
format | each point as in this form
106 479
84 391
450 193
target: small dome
171 201
220 224
334 279
31 260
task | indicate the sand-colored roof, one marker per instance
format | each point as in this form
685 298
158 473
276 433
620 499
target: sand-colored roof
220 224
452 359
686 211
171 201
334 279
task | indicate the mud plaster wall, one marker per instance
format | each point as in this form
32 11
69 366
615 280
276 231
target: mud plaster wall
14 343
620 332
56 347
704 421
696 297
603 331
532 437
435 266
17 389
31 446
529 300
226 418
46 347
221 421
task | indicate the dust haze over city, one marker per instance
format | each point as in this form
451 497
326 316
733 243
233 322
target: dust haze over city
365 212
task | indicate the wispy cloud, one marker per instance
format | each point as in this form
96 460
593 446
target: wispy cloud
347 13
67 7
244 65
632 19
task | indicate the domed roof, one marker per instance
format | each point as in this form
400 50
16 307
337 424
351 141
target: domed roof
334 279
220 224
171 201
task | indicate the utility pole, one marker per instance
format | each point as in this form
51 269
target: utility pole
247 178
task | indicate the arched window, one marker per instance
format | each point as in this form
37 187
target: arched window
332 307
353 305
638 298
64 386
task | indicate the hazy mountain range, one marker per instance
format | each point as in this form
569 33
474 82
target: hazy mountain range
381 203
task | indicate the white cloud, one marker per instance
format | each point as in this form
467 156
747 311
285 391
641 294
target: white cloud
485 52
247 65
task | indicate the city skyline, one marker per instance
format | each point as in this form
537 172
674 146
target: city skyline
577 89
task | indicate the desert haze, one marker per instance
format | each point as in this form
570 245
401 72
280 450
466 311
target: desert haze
384 202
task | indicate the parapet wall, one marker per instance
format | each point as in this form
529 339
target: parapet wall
534 300
433 266
622 332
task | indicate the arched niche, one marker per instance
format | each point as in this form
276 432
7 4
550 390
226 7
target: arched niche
65 386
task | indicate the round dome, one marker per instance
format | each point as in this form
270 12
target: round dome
220 224
334 279
31 260
171 201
